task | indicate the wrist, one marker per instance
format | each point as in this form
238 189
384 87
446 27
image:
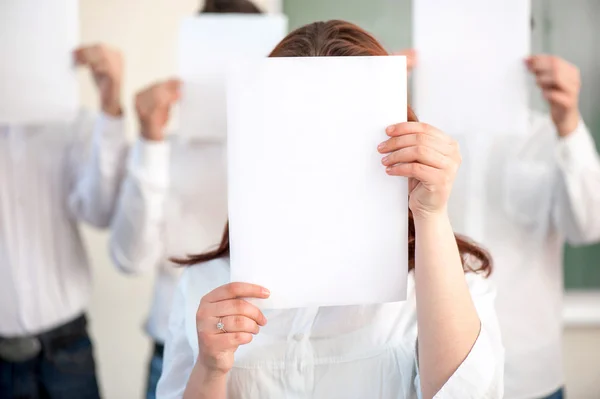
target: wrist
153 136
113 109
424 216
569 124
209 374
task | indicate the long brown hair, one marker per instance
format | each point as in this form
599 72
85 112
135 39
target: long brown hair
230 6
339 38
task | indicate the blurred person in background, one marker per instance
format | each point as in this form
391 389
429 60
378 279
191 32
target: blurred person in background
173 199
52 177
540 191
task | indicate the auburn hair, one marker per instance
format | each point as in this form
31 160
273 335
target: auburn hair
338 39
230 7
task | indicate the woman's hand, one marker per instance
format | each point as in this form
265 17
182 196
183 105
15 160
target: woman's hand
153 106
106 65
428 157
240 322
560 82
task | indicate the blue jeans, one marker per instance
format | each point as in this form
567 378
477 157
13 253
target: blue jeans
154 371
560 394
63 370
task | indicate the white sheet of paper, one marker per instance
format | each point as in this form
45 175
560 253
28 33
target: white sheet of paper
38 82
313 215
207 44
471 76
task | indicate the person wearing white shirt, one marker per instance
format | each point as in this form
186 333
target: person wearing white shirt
526 196
443 342
173 199
52 177
546 191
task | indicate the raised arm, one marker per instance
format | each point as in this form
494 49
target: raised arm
448 322
97 155
137 242
575 194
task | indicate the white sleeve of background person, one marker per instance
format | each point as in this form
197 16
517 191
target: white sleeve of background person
38 83
207 44
313 215
471 77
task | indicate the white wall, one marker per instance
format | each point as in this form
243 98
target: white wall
145 30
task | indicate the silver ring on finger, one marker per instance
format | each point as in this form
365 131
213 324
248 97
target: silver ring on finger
221 326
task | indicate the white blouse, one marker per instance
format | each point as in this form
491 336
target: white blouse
331 352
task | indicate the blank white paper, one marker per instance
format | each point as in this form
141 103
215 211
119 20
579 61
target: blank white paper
471 78
207 45
38 83
313 215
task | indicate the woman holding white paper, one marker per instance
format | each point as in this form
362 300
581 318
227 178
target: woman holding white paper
349 351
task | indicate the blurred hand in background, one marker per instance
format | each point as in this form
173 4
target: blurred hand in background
411 58
153 106
106 65
560 82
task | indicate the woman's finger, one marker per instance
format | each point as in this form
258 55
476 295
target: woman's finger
236 323
230 341
417 139
550 80
236 290
238 307
559 97
423 173
404 128
421 154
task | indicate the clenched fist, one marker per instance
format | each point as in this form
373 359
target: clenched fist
106 65
153 106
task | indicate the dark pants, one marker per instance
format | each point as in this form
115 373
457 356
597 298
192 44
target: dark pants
154 370
560 394
63 369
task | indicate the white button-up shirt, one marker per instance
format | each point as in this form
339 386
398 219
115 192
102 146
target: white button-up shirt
52 177
520 197
173 203
346 352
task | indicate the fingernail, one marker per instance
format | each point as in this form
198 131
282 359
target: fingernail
384 160
266 292
390 129
381 146
388 169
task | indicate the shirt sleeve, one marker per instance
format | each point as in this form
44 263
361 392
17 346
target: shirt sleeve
481 374
178 360
137 233
576 206
96 161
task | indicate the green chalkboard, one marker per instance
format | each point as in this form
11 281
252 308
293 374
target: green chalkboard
559 24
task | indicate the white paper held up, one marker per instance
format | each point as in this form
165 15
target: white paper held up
471 77
38 82
207 44
313 215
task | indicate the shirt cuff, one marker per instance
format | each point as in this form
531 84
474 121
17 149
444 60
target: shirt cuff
110 127
576 150
149 162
